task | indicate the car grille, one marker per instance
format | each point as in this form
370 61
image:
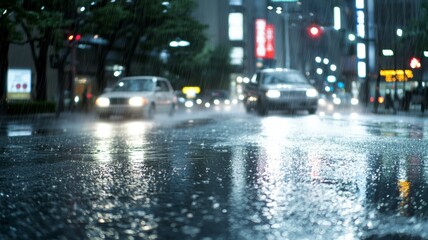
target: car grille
119 101
293 94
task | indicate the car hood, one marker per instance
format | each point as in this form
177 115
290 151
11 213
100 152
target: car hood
127 94
288 87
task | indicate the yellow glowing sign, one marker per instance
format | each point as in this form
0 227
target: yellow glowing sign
404 188
393 75
191 90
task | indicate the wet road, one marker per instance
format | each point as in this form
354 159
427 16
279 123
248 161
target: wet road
215 176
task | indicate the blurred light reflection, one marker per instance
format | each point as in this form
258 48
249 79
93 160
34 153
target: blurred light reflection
19 130
275 166
104 142
136 140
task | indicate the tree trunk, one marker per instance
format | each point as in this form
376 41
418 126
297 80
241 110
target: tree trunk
60 65
102 59
4 63
101 82
61 86
129 53
41 64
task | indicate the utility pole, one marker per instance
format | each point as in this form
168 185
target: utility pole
287 36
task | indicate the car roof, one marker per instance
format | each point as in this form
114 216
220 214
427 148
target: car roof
268 70
139 77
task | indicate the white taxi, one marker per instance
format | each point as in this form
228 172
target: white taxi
137 96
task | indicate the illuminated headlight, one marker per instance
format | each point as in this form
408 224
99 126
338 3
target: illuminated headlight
311 93
103 102
322 102
354 101
216 102
273 94
337 101
198 101
252 99
188 104
227 101
136 101
207 105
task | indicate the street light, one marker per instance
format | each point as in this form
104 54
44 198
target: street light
351 37
179 43
399 32
325 61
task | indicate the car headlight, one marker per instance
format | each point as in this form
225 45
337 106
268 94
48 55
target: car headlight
137 101
273 94
322 102
337 101
102 102
354 101
188 104
311 93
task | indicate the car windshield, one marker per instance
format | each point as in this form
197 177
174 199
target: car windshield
283 78
134 85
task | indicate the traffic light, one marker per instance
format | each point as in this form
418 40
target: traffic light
314 31
415 62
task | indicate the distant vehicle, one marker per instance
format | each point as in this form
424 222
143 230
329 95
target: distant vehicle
280 89
216 98
137 96
344 100
183 102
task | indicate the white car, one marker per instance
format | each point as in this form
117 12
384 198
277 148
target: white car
137 96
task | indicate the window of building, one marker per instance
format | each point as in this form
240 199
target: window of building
236 30
237 56
235 2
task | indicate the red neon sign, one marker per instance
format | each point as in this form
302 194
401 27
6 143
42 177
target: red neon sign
270 41
265 40
260 38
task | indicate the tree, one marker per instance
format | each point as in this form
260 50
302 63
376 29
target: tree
214 69
107 20
41 22
140 30
418 31
8 34
179 25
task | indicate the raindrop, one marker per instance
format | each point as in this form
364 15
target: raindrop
190 230
147 228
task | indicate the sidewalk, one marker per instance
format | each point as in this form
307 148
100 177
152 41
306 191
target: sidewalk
414 110
68 115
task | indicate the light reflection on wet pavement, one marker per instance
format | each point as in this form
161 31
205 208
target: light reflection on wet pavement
226 176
